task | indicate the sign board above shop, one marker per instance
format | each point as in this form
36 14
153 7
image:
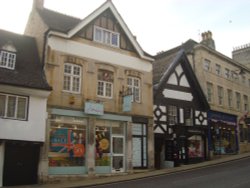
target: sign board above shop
94 108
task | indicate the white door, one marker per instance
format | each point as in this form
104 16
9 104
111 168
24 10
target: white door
118 153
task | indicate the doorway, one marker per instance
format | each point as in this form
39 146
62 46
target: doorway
118 153
20 163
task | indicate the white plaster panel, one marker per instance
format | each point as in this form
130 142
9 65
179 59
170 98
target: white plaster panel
163 118
179 70
172 80
181 116
31 130
100 54
204 122
180 95
184 82
158 130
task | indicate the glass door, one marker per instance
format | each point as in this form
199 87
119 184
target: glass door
118 153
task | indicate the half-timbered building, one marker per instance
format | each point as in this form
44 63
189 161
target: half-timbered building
180 106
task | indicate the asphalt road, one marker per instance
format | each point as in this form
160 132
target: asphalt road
234 174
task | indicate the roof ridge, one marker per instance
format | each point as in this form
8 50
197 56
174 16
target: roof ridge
60 13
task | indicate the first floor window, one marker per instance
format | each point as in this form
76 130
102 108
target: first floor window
238 101
134 88
105 84
13 106
230 98
209 92
220 95
172 115
72 78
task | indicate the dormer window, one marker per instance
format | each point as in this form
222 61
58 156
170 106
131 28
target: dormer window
106 36
7 59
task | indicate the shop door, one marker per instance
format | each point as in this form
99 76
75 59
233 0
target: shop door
118 154
20 163
183 151
139 142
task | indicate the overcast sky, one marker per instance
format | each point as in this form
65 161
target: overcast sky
158 24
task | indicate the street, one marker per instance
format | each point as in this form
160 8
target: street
235 174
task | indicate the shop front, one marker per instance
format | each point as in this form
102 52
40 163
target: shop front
83 144
191 144
223 136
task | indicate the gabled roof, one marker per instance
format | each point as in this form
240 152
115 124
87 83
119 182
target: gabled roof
164 66
28 70
67 26
57 21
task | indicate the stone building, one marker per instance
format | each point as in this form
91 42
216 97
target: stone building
226 84
100 110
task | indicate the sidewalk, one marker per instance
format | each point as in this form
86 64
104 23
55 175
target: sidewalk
139 175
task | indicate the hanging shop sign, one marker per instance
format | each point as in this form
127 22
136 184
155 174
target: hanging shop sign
127 103
94 108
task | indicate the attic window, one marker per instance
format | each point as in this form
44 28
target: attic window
106 36
7 59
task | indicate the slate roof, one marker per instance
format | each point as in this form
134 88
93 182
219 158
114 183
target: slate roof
165 65
57 21
166 58
28 70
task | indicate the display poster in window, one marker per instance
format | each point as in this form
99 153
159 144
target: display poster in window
67 147
195 148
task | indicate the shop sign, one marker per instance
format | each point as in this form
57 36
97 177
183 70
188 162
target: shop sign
127 103
94 108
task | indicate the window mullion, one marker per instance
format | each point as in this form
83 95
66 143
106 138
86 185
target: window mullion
16 107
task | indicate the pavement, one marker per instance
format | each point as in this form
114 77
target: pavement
91 181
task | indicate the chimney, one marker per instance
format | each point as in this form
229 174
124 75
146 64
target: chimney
208 40
38 4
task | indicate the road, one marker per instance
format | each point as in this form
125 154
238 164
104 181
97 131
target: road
234 174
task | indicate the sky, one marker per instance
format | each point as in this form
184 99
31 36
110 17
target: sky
158 25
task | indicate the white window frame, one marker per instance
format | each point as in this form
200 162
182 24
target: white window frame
16 106
71 77
7 59
134 89
106 36
104 85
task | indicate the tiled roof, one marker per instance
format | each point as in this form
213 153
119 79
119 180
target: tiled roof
57 21
165 59
28 70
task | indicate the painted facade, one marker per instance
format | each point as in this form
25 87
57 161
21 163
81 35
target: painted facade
23 109
100 110
180 112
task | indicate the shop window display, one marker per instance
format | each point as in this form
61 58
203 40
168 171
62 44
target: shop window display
102 146
195 146
67 145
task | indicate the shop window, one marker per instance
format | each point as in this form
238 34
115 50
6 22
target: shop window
110 146
195 146
102 145
67 142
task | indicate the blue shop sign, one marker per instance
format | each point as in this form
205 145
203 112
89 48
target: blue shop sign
94 108
219 116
